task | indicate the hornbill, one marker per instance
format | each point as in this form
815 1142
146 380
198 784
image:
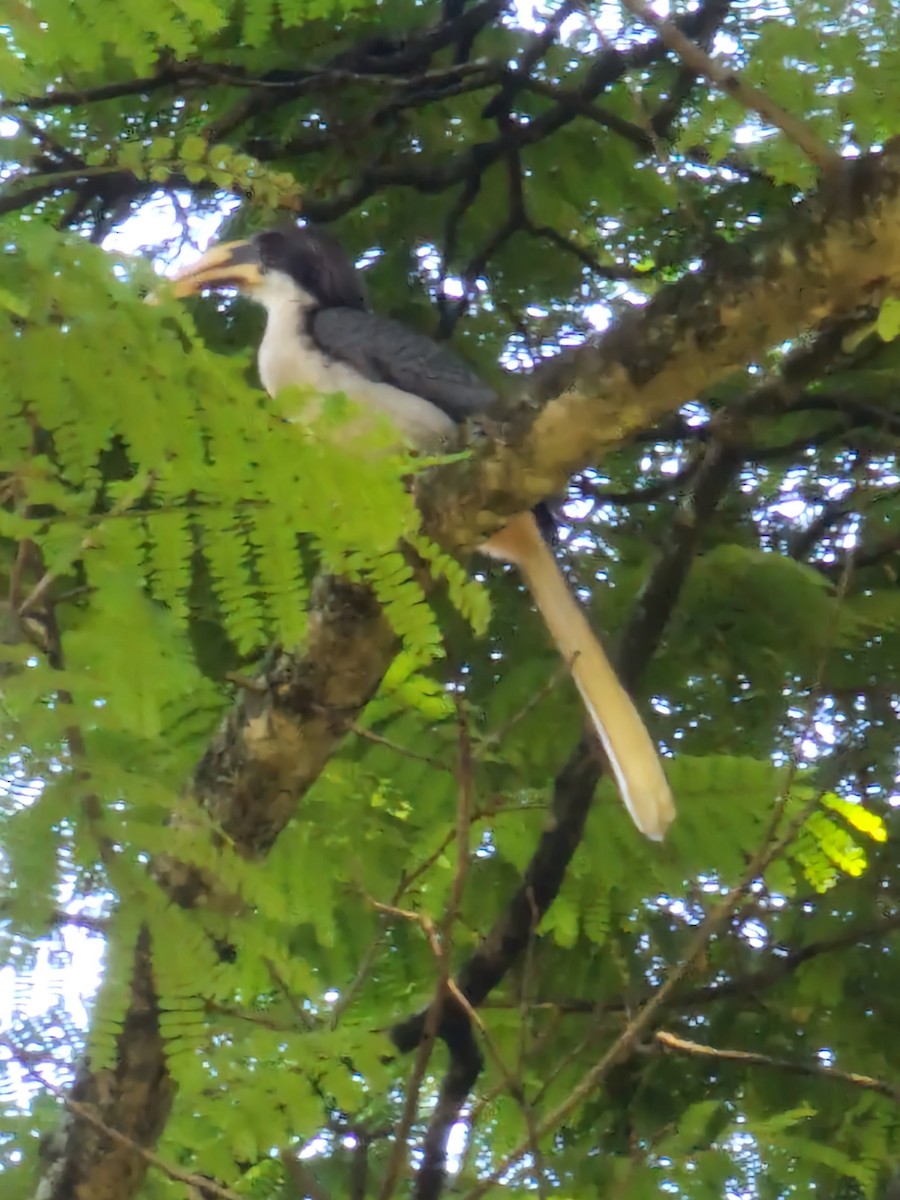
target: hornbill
321 335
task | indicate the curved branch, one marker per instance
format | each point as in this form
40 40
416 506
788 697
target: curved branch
837 251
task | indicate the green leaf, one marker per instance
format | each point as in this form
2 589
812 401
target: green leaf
888 323
193 149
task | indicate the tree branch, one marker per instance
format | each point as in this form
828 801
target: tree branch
771 846
750 97
749 1058
785 960
115 1114
838 251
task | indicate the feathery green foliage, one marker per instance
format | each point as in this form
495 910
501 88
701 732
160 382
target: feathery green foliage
162 527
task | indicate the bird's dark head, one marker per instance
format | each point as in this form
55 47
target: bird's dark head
297 263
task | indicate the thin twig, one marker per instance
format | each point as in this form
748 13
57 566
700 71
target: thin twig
262 1020
423 1054
642 1020
465 1058
464 815
390 909
498 735
671 1042
304 1018
359 1169
378 740
349 994
131 496
514 1086
750 97
406 882
527 981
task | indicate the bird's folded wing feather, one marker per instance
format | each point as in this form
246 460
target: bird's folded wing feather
387 352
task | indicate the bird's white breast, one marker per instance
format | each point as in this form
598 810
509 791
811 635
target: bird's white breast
288 356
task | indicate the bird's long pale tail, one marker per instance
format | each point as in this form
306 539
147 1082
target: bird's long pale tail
629 748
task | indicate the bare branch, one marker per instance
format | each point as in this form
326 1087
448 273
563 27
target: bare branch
821 1070
750 97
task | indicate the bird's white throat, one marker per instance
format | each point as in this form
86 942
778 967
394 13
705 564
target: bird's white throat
289 356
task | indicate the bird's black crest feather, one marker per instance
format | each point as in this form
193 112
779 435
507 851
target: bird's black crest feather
315 260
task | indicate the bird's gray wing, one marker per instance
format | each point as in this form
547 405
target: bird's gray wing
387 352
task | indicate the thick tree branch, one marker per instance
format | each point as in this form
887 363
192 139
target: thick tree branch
129 1103
836 252
284 728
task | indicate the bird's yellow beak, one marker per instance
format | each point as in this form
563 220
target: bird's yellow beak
233 264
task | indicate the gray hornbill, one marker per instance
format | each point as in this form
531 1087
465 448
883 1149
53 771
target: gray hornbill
320 335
